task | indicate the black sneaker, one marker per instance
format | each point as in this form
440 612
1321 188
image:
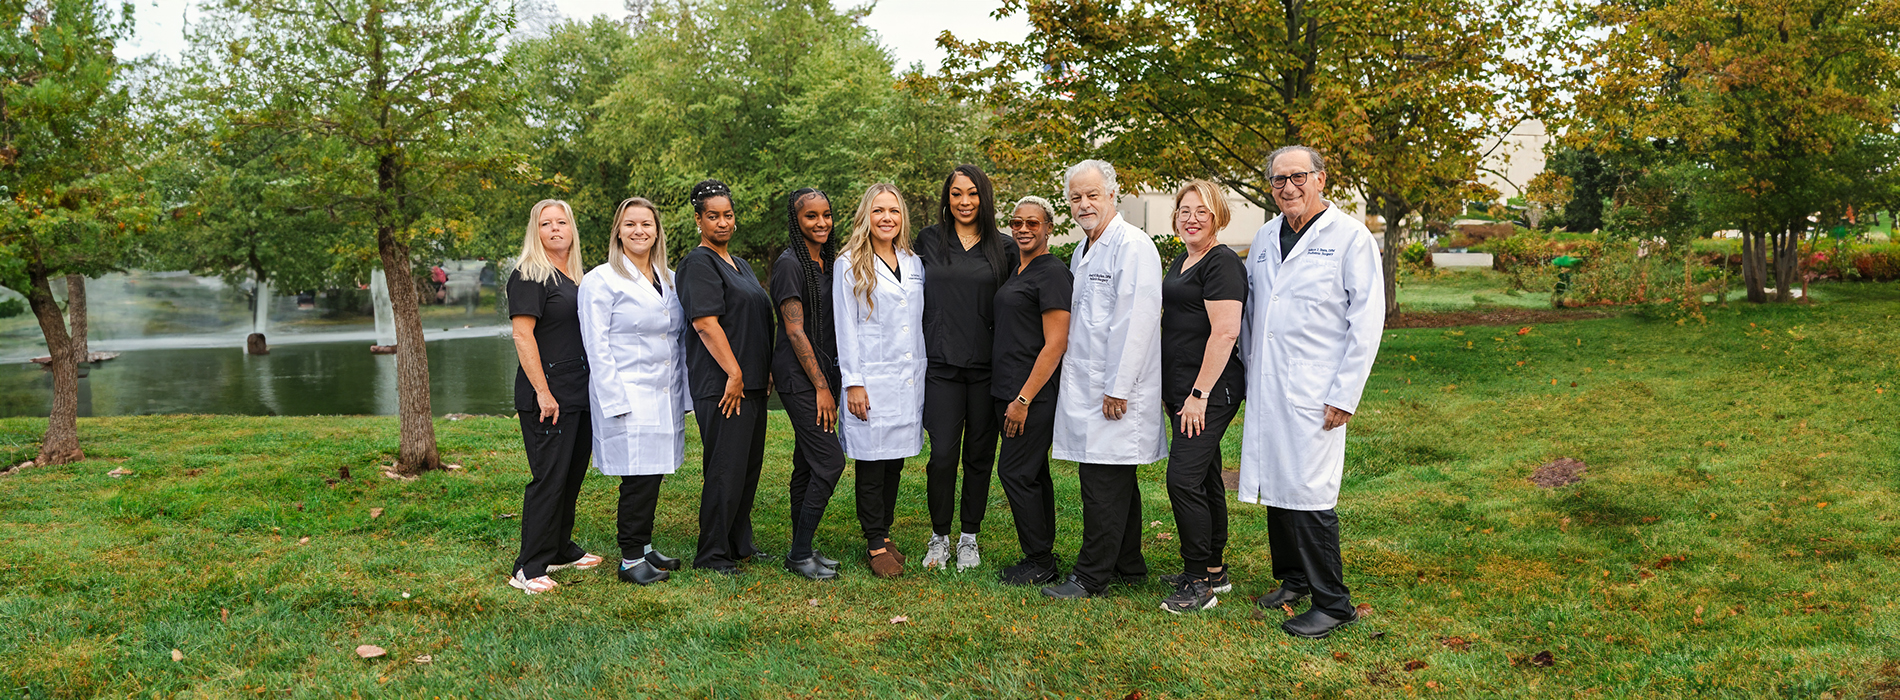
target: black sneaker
1219 583
1029 573
1071 589
1191 595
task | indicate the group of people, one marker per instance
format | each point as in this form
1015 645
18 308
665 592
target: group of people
983 341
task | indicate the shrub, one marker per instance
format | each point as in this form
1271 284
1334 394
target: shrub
12 307
1416 255
1878 265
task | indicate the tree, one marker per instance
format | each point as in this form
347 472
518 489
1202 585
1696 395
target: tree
388 99
69 198
1399 96
1771 98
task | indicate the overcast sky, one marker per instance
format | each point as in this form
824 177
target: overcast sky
908 27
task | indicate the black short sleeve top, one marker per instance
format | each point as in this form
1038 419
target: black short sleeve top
788 282
1219 276
710 287
1044 285
959 293
555 305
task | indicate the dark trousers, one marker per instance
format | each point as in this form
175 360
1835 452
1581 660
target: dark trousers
1196 491
877 496
1111 526
1305 546
817 463
557 459
731 452
1022 465
634 524
960 418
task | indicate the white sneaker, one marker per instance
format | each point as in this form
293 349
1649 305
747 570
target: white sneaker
939 554
967 557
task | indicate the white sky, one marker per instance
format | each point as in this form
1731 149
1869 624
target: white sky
908 27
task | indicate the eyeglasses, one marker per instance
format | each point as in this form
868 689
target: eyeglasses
1015 224
1298 179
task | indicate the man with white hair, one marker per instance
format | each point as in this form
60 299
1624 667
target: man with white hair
1315 314
1108 411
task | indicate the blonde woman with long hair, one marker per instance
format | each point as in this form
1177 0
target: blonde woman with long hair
550 394
878 311
631 323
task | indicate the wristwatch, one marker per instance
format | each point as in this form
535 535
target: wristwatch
1197 393
1022 399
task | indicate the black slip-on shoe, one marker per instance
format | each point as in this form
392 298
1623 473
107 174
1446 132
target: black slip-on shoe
1219 583
811 568
1193 595
1071 589
1278 597
1315 624
829 562
643 572
662 562
1029 573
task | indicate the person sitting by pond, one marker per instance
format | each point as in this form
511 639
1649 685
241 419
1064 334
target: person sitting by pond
1310 336
1032 331
805 371
879 316
1202 297
631 324
728 365
550 394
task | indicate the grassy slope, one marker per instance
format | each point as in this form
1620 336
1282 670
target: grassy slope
1756 445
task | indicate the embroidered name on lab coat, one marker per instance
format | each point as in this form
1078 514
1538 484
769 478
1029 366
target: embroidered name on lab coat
1328 252
1101 277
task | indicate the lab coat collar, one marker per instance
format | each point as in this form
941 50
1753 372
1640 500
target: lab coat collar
1324 221
884 271
641 286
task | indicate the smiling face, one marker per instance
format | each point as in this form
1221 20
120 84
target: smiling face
1301 201
636 231
717 222
1031 228
556 230
964 200
887 218
1091 203
814 219
1193 221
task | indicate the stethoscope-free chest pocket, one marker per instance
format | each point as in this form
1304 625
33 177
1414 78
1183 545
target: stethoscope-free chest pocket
1311 278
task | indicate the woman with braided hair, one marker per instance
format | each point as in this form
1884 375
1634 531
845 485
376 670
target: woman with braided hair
805 370
728 360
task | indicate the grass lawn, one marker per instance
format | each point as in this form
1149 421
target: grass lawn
1736 536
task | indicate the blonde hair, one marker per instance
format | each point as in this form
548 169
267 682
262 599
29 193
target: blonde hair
656 256
863 257
1210 197
533 263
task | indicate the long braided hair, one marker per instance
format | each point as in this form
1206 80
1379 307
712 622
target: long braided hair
817 311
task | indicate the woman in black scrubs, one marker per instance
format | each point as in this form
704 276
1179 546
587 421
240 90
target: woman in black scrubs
968 259
805 370
550 394
1202 383
1032 332
728 359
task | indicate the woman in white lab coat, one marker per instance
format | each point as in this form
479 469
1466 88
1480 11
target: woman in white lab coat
631 323
878 309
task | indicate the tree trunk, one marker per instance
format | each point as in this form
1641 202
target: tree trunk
76 309
60 445
417 451
1787 258
1394 242
1754 266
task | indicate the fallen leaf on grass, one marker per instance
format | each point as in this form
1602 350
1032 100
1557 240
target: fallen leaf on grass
375 513
1455 643
452 467
1524 331
505 516
1668 561
1543 659
370 651
304 540
1259 614
118 472
1431 684
224 614
1165 536
1377 635
425 658
1822 504
1342 657
1288 607
1134 696
1415 665
178 655
1363 609
811 602
1380 676
194 472
1156 523
900 619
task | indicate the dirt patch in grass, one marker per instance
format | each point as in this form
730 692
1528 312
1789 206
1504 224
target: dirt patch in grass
1488 317
1562 471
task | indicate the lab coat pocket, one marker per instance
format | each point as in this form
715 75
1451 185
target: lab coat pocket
650 408
1101 297
1315 279
891 390
612 450
1306 384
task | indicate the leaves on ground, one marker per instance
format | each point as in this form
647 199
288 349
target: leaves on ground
118 472
370 651
1415 665
178 655
375 513
900 619
1559 472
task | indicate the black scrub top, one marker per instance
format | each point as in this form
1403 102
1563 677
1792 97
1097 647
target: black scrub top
959 290
788 282
710 287
1043 286
555 305
1219 276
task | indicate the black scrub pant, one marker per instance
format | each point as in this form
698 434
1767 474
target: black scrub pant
1196 491
960 418
1022 465
817 463
731 452
639 495
877 497
557 459
1305 547
1111 526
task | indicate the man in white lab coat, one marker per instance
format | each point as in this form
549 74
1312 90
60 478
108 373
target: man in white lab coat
1108 409
1316 311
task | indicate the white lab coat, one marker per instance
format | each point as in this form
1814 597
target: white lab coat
636 386
883 353
1114 350
1311 331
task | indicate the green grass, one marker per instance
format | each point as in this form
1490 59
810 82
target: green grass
1760 447
1464 289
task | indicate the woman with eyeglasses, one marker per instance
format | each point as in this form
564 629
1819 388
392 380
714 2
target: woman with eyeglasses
1032 332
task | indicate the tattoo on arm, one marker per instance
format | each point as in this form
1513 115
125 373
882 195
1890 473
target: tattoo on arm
794 313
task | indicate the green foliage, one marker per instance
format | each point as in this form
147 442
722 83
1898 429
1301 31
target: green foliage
12 306
1416 255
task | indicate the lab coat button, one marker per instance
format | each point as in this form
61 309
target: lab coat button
1276 297
1269 336
910 382
906 356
